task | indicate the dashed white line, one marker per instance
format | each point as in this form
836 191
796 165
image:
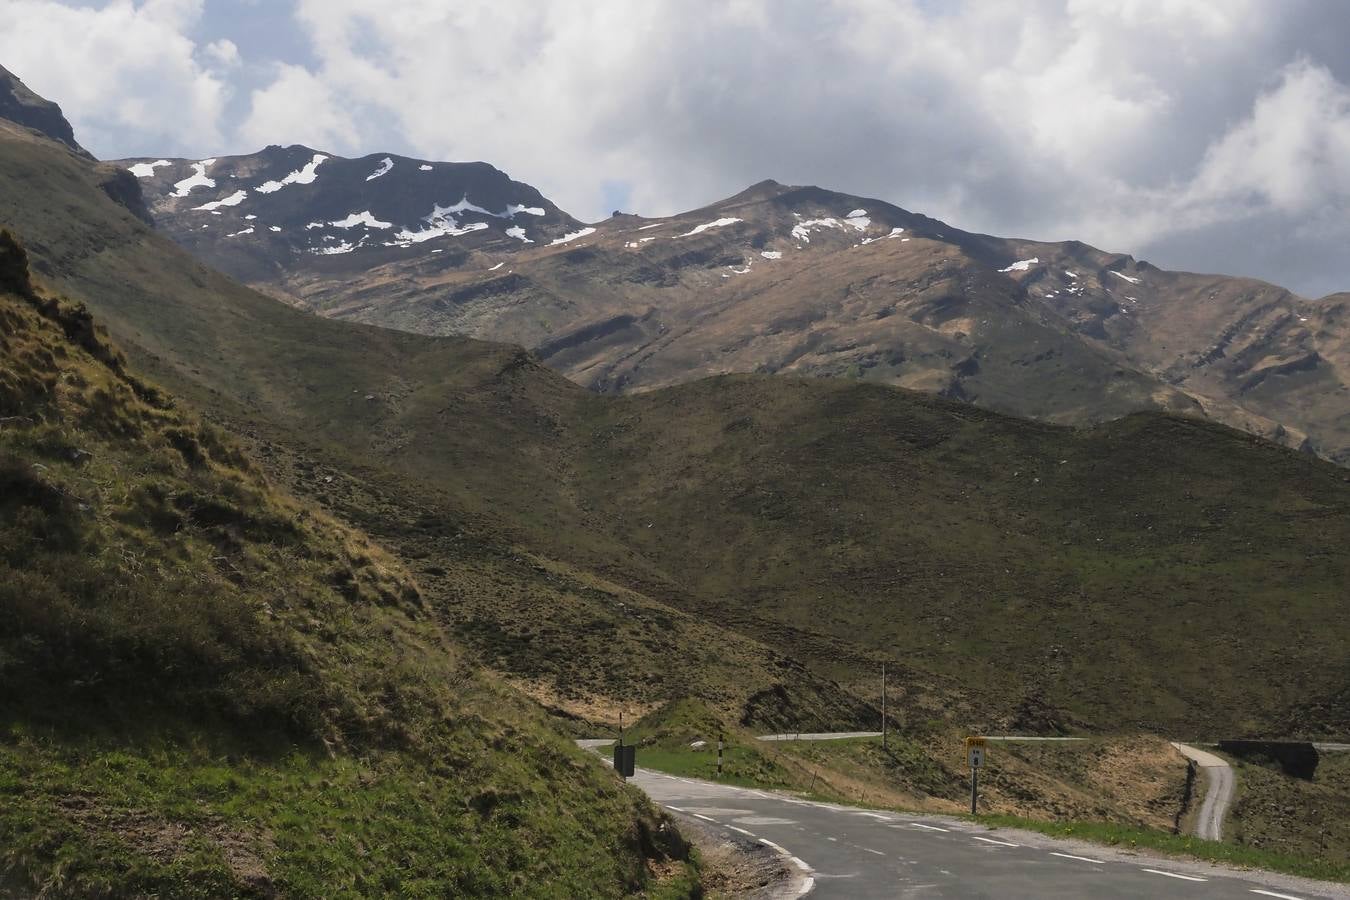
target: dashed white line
676 808
877 816
870 850
1079 858
1273 894
929 827
992 841
704 818
1176 875
741 830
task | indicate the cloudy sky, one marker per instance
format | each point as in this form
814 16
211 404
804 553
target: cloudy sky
1209 135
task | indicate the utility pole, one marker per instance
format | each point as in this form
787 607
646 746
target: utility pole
883 706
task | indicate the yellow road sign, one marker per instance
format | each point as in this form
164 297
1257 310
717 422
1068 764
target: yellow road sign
975 742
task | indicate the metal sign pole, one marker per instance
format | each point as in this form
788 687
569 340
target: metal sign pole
975 759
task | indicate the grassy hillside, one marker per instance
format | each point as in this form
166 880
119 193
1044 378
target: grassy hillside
1154 572
208 688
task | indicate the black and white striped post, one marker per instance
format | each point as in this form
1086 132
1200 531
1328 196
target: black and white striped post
719 755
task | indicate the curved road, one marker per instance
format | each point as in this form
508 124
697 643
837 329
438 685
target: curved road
1219 789
847 852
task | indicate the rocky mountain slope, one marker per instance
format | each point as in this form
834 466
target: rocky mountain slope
287 208
21 106
783 279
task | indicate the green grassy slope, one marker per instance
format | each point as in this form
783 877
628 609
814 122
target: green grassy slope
208 688
1153 572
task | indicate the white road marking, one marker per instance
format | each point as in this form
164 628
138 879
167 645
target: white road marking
929 827
992 841
799 864
676 808
1079 858
877 816
741 830
704 818
769 843
836 840
1175 875
1273 894
877 852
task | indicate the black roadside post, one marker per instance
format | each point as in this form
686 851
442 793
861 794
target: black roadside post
883 706
719 755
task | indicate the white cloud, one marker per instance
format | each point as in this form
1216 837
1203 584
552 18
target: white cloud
223 52
300 107
124 73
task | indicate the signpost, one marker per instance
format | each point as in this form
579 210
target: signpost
975 759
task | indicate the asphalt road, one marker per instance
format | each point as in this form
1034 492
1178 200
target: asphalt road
845 852
1219 789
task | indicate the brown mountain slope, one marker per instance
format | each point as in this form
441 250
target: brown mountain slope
1155 570
807 281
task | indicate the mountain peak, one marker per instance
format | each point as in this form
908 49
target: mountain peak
20 105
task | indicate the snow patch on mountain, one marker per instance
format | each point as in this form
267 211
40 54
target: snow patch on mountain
858 219
424 168
895 233
720 223
386 165
496 267
362 218
196 179
772 254
440 223
653 225
568 238
273 228
344 247
802 230
1022 265
300 176
248 230
233 200
145 170
511 211
518 233
1126 277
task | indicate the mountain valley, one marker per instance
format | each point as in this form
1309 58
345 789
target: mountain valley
381 478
